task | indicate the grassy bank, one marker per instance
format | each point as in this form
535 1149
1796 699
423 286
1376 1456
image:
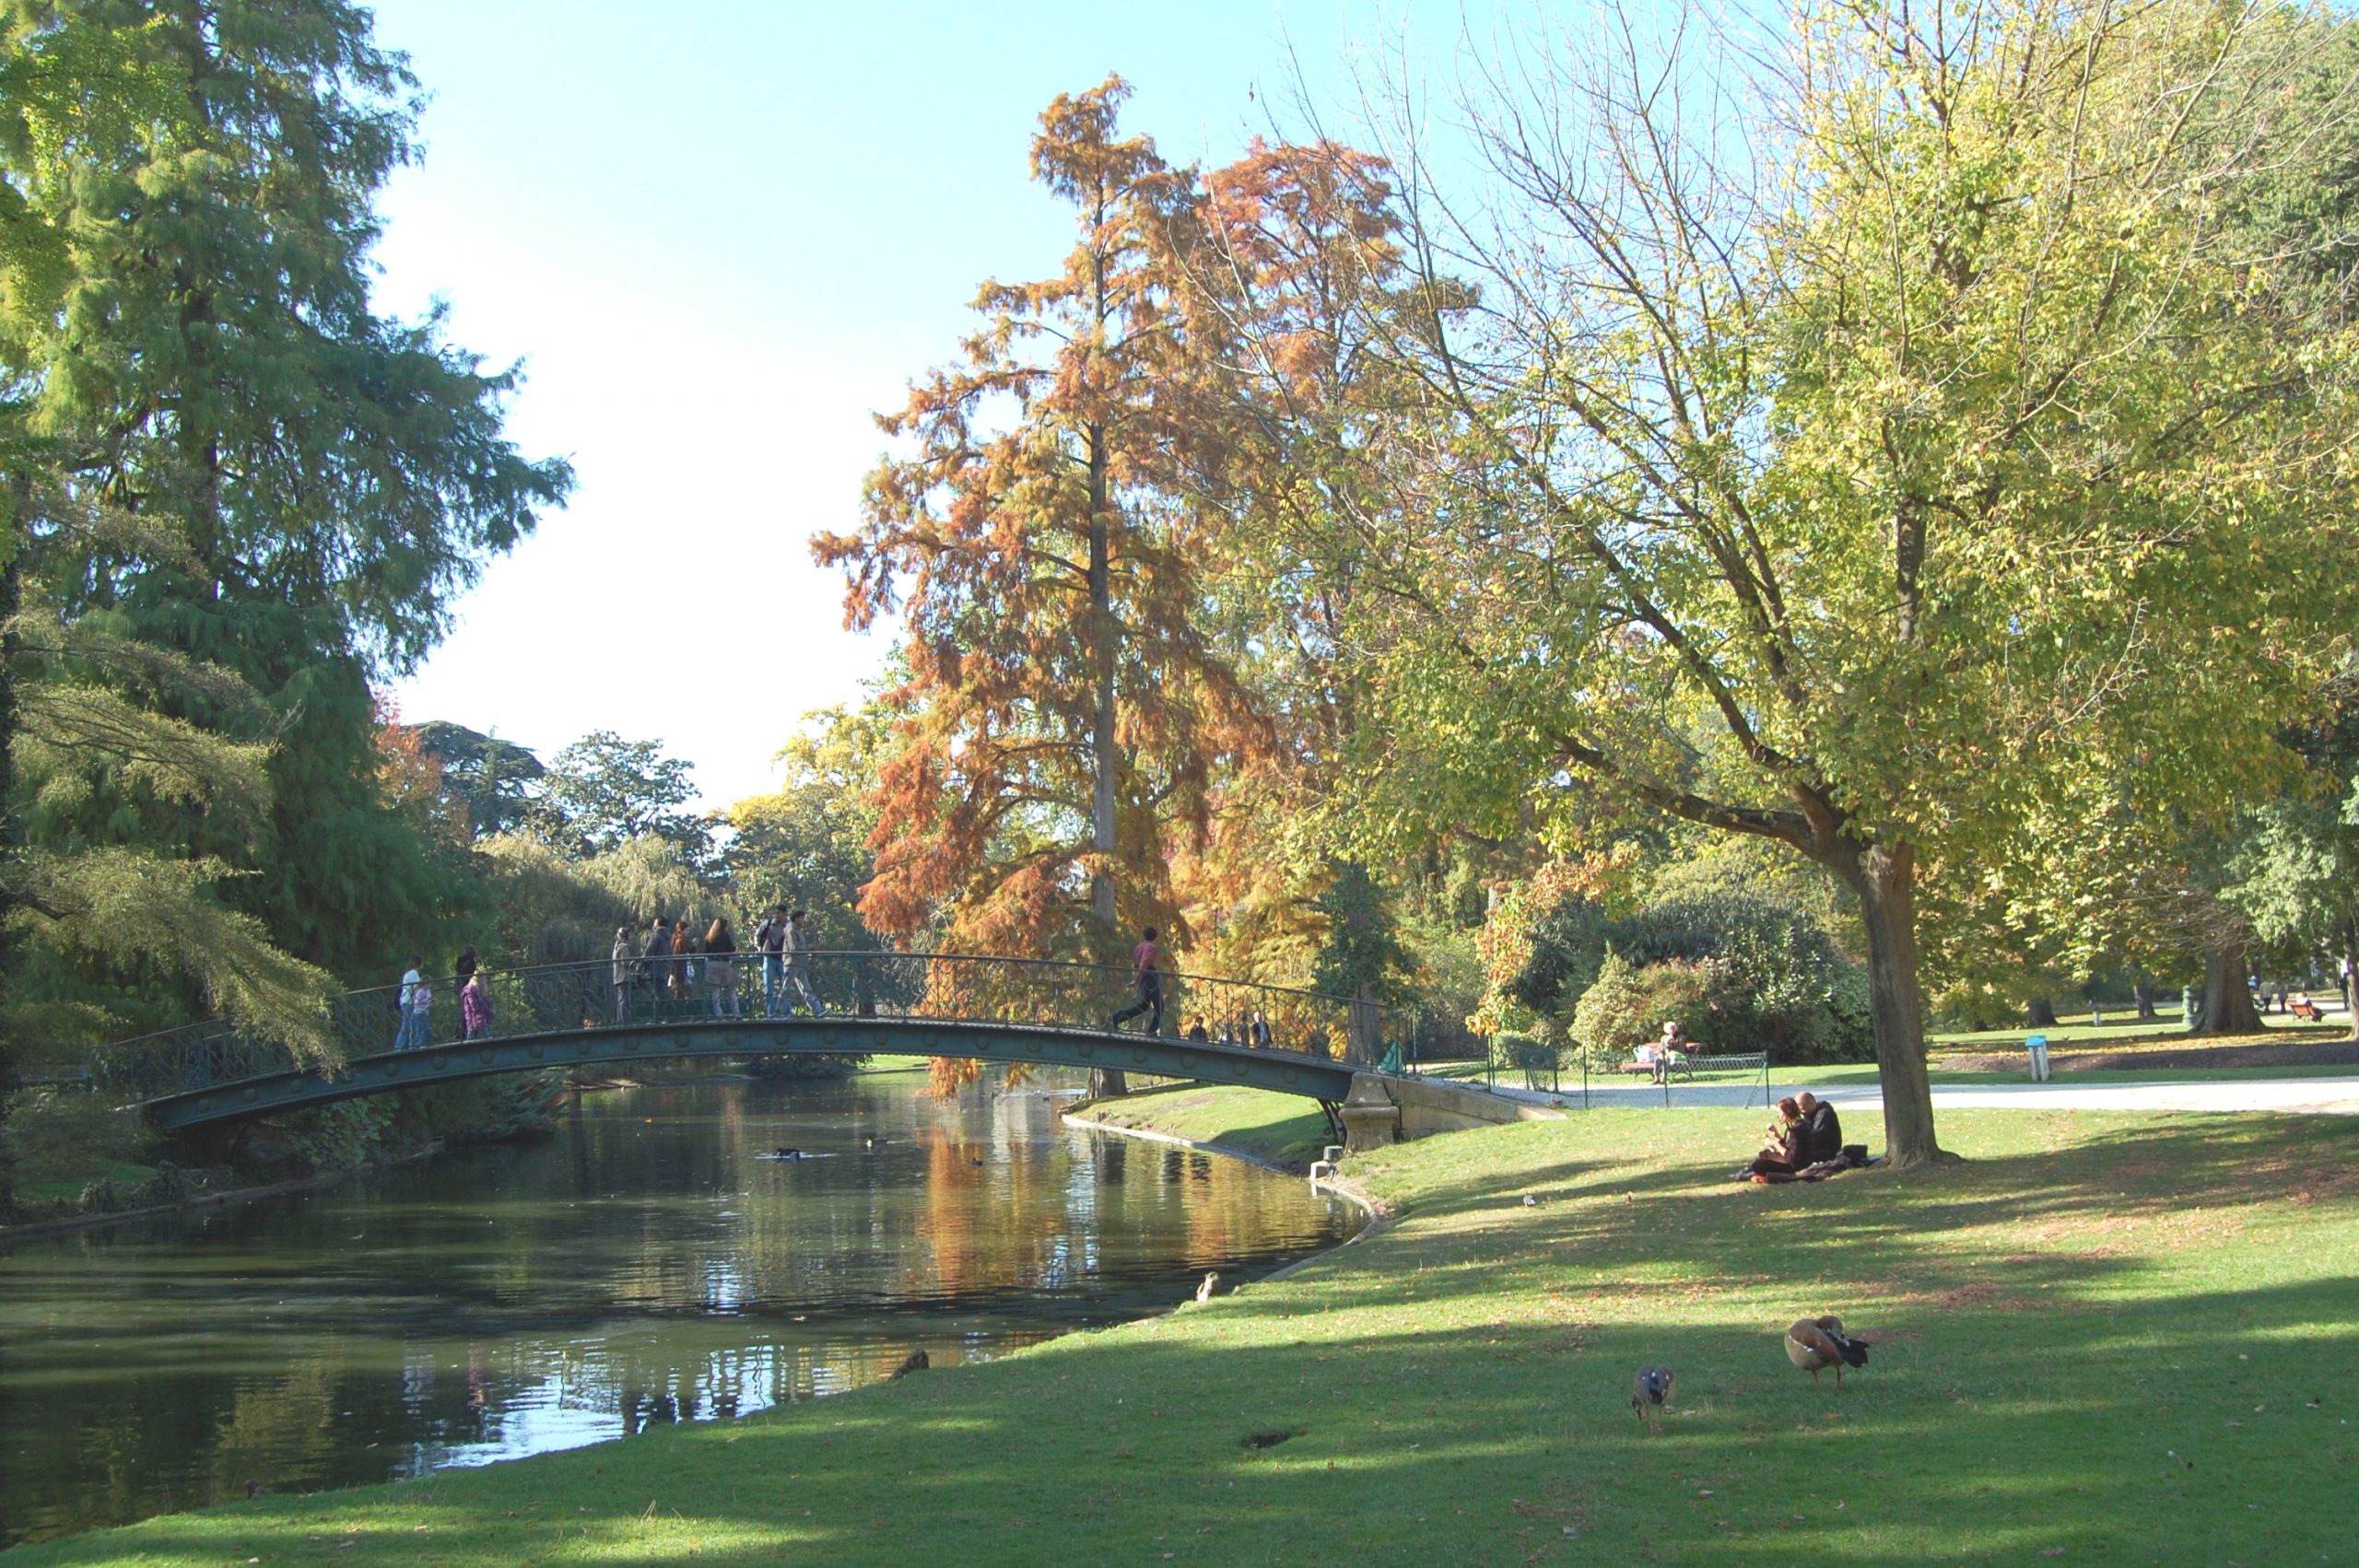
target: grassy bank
2109 1339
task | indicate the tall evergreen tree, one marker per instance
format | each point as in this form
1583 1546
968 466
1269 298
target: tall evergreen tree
186 342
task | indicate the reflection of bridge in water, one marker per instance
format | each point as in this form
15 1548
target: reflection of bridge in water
570 1016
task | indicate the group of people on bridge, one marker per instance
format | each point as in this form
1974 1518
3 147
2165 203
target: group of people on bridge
668 973
673 968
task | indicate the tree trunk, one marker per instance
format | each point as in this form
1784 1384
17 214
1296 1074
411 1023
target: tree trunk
12 836
2350 979
2145 992
1885 879
1105 1083
1363 1028
2227 1002
2040 1013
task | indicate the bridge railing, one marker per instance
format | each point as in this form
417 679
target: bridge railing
685 988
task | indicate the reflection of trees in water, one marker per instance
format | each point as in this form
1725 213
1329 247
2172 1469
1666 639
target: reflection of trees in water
636 1274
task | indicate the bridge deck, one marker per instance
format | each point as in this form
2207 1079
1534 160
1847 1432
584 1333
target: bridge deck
1287 1072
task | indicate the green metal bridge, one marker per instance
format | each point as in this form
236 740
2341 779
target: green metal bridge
686 1007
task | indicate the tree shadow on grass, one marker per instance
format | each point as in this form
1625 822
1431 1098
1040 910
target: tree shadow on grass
1458 1388
1424 1440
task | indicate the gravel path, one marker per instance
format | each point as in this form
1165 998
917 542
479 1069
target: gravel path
2338 1096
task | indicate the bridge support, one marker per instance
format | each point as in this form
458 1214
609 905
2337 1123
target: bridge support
1371 1116
1382 1109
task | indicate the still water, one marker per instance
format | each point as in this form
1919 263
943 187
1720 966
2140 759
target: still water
647 1265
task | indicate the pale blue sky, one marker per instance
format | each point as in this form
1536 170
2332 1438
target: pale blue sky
723 234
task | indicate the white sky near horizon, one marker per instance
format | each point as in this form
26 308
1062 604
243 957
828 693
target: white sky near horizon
722 235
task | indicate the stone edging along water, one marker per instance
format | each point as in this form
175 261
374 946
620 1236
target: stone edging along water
1375 1215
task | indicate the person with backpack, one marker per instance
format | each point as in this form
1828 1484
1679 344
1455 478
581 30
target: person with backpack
769 937
416 1000
655 964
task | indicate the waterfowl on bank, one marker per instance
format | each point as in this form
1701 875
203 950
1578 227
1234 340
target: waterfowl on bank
1816 1343
1651 1391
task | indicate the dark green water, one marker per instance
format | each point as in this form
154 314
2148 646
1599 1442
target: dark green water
645 1265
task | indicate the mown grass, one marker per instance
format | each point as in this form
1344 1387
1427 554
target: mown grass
2109 1339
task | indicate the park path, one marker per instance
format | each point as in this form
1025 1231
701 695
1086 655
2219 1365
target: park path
2338 1096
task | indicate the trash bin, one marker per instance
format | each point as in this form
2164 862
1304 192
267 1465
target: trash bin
2037 1045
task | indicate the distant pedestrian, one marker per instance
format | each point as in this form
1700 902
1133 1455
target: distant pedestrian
655 963
475 1007
1257 1033
1148 978
684 964
1197 1032
770 938
798 965
417 1001
721 967
464 969
624 955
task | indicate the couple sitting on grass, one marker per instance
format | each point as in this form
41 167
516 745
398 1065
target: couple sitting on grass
1804 1143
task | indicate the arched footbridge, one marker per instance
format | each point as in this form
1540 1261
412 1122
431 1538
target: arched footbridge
673 1008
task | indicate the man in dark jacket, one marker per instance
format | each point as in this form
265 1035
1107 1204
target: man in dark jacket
653 964
1818 1137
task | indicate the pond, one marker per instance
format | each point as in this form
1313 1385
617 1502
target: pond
652 1262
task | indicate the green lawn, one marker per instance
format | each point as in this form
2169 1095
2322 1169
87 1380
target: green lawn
2110 1339
127 1178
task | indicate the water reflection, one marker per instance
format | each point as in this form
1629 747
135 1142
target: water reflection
649 1266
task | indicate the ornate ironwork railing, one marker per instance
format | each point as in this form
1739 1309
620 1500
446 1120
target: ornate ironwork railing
688 989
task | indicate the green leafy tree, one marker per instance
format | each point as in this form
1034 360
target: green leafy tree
2293 871
602 793
805 844
1862 489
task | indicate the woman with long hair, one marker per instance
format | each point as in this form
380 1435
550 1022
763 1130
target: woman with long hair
721 967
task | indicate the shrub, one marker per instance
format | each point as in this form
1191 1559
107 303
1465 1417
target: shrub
1799 1005
1629 1004
55 1134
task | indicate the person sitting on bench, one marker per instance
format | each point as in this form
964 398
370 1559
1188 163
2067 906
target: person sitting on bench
1668 1049
2305 1009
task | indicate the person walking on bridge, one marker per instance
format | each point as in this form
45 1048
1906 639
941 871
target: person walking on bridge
798 965
624 961
1149 980
721 967
770 938
416 1001
655 964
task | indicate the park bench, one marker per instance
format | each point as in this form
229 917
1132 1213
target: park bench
1679 1060
2308 1011
1752 1064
